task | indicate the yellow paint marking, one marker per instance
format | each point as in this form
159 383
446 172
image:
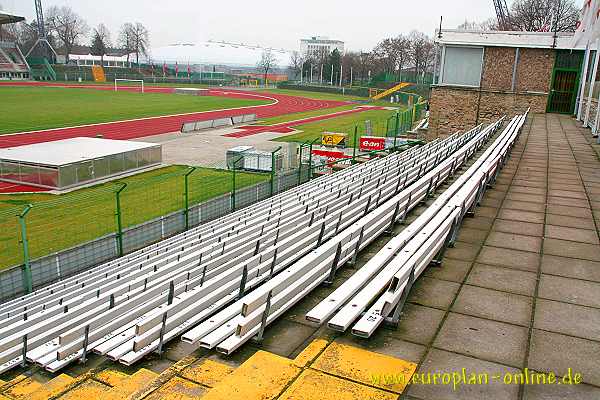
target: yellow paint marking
316 385
6 384
177 389
135 382
207 372
263 376
362 366
33 389
311 352
111 377
89 390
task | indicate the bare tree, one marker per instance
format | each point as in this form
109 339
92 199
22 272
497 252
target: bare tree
421 51
67 26
490 24
296 62
126 39
267 62
140 41
538 15
100 42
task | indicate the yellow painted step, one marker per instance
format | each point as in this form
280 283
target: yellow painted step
365 366
263 376
89 390
134 383
111 377
177 389
34 389
317 385
207 372
312 351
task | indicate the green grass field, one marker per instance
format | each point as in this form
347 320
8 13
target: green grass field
311 131
36 108
301 115
57 222
327 96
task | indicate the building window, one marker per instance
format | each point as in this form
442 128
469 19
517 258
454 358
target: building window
462 66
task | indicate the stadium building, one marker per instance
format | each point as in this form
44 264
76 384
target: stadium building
320 44
13 65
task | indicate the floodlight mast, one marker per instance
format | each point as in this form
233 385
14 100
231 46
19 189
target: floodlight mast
41 27
42 34
502 14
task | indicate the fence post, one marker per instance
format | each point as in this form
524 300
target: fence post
234 166
310 169
118 216
397 128
355 139
27 278
273 169
186 195
300 164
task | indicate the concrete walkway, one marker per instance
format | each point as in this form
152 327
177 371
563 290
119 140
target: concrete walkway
522 287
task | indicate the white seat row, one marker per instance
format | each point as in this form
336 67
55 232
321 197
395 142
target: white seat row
236 324
407 255
80 312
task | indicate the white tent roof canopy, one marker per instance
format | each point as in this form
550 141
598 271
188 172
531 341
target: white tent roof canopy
216 53
539 40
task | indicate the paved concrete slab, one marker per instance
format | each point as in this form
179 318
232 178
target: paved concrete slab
433 293
494 305
571 267
570 290
439 361
553 352
561 392
481 338
569 319
503 279
450 270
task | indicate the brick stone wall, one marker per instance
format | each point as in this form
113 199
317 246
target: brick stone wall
496 104
498 66
534 71
459 108
452 110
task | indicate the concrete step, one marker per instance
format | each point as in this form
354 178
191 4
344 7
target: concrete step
127 386
262 376
35 388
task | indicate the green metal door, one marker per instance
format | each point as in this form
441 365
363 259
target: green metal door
565 82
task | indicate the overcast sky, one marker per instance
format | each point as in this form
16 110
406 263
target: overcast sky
271 23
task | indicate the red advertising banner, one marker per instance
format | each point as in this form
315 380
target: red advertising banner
330 155
372 143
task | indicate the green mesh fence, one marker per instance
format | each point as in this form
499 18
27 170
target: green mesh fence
68 220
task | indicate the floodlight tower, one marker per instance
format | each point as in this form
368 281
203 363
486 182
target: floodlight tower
42 34
502 14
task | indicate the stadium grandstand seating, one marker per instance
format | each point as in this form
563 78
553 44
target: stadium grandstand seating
13 65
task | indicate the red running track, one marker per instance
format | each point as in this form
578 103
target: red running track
137 128
285 127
